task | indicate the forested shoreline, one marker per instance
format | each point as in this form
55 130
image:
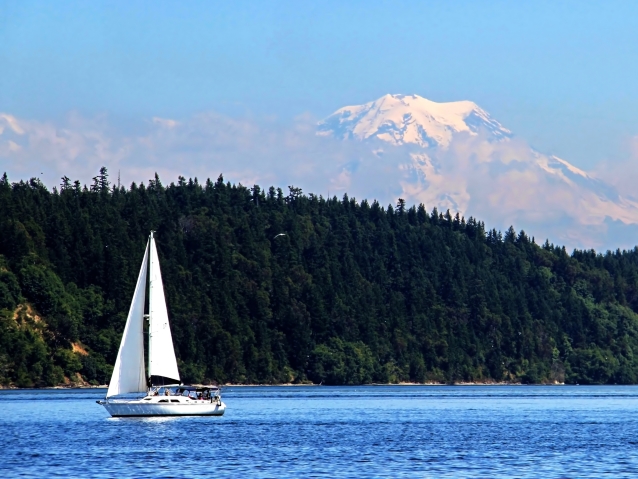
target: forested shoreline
352 292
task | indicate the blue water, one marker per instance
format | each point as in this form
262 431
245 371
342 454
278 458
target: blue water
376 431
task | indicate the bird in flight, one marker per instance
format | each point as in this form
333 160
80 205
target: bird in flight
280 234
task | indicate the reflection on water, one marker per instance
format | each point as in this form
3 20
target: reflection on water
144 419
375 431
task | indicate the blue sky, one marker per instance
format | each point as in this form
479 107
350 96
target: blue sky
561 76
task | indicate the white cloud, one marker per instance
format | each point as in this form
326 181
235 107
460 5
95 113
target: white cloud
165 122
247 151
11 122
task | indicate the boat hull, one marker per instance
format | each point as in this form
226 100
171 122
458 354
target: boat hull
138 408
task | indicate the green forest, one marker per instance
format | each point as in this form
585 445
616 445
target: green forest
271 286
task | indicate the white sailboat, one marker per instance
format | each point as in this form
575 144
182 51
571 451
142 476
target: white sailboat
165 396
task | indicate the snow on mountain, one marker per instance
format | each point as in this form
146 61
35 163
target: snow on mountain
456 156
403 119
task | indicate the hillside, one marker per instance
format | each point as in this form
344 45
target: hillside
354 292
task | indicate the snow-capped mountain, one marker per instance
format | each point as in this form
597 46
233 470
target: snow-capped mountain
405 119
456 156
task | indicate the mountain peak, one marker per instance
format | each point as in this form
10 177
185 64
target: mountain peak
403 119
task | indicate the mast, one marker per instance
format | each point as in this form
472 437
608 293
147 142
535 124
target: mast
148 316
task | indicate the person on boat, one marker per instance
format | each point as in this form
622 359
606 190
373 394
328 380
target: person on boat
167 392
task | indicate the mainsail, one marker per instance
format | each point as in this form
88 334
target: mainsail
129 371
162 365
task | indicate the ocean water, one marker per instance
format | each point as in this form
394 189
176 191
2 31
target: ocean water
332 432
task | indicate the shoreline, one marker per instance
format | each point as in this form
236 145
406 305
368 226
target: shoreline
105 386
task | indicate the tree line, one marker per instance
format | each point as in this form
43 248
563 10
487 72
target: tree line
267 286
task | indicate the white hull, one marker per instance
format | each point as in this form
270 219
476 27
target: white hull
142 408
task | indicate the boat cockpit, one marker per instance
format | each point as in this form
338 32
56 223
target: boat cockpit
189 393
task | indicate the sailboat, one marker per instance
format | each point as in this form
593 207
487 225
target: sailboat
165 395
